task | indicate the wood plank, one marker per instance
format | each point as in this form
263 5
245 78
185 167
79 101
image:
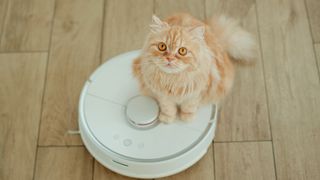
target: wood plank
22 81
244 161
244 114
314 18
27 25
3 12
204 169
74 55
317 49
63 163
164 8
126 25
293 87
102 173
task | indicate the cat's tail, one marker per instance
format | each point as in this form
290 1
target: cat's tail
239 43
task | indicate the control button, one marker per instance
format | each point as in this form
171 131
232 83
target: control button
116 137
127 142
140 145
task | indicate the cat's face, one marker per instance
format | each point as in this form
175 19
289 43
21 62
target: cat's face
174 49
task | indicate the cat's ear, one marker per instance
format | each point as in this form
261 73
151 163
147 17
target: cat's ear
157 25
198 32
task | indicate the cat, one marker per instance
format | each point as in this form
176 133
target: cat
185 62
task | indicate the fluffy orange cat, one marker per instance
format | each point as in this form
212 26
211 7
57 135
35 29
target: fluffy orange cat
185 62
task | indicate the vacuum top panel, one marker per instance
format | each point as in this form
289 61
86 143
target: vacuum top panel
110 91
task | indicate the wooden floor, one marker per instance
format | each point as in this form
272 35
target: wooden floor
269 127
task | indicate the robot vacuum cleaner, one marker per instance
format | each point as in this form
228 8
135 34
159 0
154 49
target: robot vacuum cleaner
119 127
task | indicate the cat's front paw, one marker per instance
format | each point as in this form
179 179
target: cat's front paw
187 116
166 118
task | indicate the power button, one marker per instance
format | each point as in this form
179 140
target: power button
127 142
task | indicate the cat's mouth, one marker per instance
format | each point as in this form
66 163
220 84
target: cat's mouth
170 68
169 65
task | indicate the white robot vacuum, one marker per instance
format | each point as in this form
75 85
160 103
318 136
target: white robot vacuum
120 128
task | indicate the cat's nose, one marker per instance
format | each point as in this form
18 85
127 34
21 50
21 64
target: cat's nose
169 58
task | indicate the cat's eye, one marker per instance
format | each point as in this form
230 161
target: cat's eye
162 46
182 51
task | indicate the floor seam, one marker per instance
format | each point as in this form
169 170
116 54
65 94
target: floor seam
313 42
249 141
60 146
266 88
21 52
44 89
102 31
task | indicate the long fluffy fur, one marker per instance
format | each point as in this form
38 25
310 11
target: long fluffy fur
239 43
204 75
